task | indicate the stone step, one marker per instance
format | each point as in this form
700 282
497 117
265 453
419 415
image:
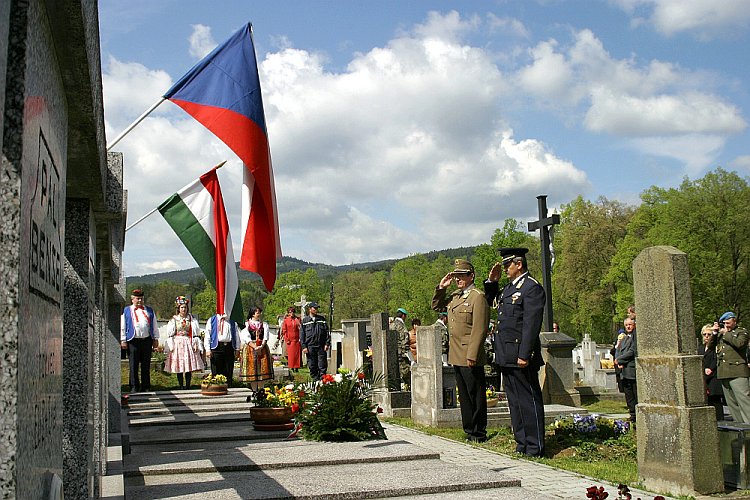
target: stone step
193 408
203 417
201 433
348 480
218 457
186 394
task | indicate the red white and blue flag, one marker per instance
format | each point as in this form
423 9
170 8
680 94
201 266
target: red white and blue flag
222 92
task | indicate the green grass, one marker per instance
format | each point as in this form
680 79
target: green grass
595 405
613 460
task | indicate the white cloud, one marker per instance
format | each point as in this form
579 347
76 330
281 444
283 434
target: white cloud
159 266
201 41
706 19
696 152
741 163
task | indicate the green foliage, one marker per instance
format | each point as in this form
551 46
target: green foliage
412 285
339 409
288 290
204 302
360 294
585 243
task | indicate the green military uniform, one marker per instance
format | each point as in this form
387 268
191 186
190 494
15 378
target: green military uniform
468 321
404 365
733 372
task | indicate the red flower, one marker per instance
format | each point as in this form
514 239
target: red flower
361 376
327 378
301 394
380 410
295 407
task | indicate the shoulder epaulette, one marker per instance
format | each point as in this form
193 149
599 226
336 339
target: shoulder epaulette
480 292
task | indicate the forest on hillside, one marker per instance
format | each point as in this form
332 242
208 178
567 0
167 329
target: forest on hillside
592 280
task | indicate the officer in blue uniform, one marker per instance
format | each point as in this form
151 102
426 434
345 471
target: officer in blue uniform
518 352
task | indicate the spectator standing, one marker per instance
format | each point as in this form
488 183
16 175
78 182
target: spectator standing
256 365
732 367
315 340
625 355
290 333
468 317
518 350
442 326
712 385
413 339
140 336
222 345
398 324
183 343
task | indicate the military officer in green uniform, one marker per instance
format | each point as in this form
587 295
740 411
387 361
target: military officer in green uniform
404 363
468 321
731 367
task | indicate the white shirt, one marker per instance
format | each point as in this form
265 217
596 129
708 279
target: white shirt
141 324
223 331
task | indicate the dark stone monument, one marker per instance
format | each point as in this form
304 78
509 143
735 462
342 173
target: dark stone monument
543 225
61 208
394 401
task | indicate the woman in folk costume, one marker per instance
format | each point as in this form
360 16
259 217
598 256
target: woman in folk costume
183 343
290 334
256 365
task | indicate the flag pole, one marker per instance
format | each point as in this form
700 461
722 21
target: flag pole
136 122
157 208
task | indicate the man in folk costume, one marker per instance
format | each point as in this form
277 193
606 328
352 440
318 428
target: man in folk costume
222 345
139 334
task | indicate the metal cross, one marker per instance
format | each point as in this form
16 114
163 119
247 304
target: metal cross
543 225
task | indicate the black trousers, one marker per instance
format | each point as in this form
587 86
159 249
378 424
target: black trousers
630 388
472 394
317 361
526 409
222 361
139 361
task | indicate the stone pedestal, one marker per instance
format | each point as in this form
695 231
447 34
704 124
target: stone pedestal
395 403
354 342
678 448
557 377
428 379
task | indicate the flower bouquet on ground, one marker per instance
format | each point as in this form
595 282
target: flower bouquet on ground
214 385
339 408
493 398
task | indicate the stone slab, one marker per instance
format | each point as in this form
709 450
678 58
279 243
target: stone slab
184 409
343 481
201 433
512 493
270 455
204 417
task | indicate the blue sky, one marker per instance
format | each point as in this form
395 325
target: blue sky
403 127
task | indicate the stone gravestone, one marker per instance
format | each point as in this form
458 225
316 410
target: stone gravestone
678 448
354 342
394 401
558 376
429 379
62 212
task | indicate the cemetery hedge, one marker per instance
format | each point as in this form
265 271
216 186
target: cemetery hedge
592 281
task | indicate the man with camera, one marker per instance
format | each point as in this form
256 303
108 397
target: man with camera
732 369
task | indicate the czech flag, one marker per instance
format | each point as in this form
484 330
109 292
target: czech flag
222 92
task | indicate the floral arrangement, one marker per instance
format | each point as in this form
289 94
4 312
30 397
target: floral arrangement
623 493
215 380
338 408
491 392
276 396
589 425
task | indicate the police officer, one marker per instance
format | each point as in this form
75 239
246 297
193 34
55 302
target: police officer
518 352
468 320
315 340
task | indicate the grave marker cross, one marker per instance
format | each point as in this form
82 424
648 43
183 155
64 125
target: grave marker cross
543 225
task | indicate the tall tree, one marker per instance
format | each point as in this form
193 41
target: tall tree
585 243
359 294
288 290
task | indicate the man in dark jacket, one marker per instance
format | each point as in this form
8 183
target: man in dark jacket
625 354
518 351
315 340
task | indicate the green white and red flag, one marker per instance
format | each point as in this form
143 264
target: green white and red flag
196 213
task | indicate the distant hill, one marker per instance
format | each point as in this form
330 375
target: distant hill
287 264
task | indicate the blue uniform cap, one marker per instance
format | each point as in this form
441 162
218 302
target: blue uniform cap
402 310
727 315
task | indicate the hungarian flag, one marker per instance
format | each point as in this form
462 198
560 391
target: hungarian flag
197 215
222 92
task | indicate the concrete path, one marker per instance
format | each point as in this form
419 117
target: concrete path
188 446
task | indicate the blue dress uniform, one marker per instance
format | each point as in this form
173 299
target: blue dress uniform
520 308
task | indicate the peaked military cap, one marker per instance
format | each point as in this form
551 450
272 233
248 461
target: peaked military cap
462 266
508 254
313 304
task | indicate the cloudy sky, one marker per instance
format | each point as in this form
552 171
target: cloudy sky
402 127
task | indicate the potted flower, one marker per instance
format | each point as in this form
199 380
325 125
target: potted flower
214 385
274 407
492 397
339 408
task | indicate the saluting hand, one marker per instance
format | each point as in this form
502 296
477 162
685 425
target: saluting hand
446 281
495 272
